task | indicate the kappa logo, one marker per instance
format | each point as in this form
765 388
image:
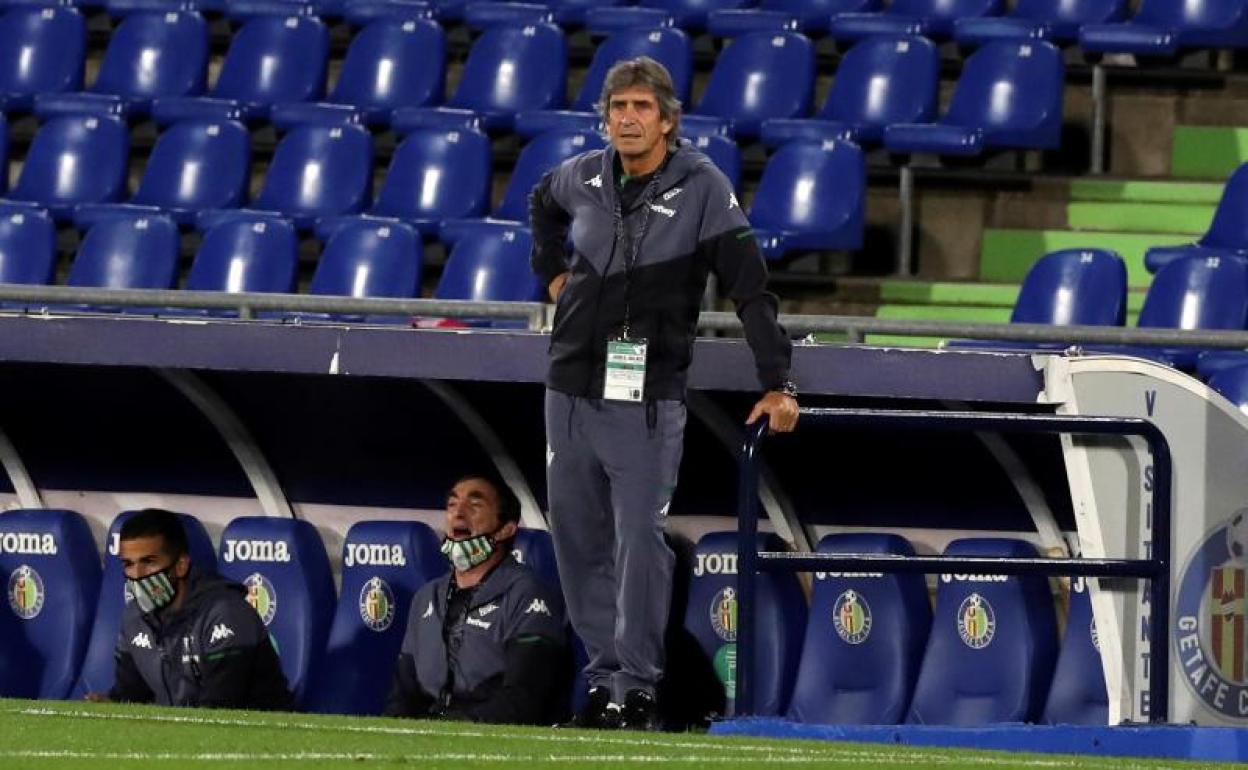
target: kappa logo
538 606
220 632
428 610
478 622
672 193
487 609
664 210
595 182
732 201
141 640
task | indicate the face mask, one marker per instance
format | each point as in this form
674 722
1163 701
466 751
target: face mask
469 552
152 592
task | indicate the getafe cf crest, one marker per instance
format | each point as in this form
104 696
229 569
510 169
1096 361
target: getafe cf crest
851 617
1210 619
26 592
261 596
724 614
977 623
377 604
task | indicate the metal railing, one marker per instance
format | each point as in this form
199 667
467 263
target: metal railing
1155 569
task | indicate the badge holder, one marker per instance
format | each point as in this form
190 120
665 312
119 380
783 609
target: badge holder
626 370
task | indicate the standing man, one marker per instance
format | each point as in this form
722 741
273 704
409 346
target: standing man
487 641
188 637
649 217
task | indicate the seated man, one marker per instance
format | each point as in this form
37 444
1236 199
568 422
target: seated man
188 637
487 642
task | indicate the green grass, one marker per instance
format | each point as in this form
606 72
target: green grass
58 735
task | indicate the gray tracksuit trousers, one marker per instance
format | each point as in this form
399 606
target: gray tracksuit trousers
611 470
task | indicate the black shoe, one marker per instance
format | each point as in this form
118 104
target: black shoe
640 712
599 712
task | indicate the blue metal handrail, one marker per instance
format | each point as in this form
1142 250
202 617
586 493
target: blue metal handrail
1155 569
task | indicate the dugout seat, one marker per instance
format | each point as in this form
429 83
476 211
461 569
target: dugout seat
760 75
440 170
1166 27
99 666
1228 232
811 197
993 644
864 639
1009 96
52 573
284 567
27 245
153 54
933 19
1078 695
322 167
42 51
711 617
1058 21
383 565
880 81
397 59
74 158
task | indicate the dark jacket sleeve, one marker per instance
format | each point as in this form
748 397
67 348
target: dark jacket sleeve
238 667
531 687
549 223
128 684
406 697
726 241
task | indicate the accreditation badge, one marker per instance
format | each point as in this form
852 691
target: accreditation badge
626 370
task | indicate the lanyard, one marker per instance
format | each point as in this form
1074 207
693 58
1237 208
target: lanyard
634 246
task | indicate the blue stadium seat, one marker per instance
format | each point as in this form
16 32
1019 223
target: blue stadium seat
368 257
711 137
760 75
932 19
1166 27
1058 21
1228 232
880 81
285 569
510 69
534 548
27 245
810 198
864 639
155 54
1078 695
993 644
436 174
196 165
42 50
98 667
273 60
692 14
711 616
392 62
4 153
244 252
1008 96
74 159
490 262
539 156
126 251
384 563
1229 376
1197 292
810 17
1070 287
668 46
52 573
322 167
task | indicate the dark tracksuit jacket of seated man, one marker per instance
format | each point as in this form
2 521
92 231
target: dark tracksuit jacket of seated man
647 244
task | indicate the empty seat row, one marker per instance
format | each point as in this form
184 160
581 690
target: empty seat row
870 650
871 641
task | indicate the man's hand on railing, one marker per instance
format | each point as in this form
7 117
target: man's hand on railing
780 408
